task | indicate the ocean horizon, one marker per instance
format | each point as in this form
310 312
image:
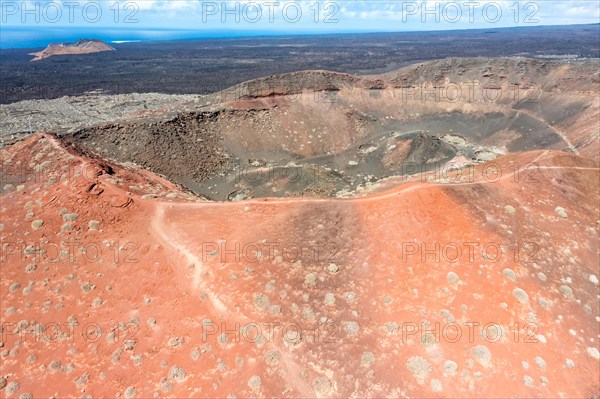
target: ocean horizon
21 38
27 38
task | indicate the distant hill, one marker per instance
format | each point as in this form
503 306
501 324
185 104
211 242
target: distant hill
83 46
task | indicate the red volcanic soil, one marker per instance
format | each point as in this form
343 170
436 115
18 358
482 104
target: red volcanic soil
116 283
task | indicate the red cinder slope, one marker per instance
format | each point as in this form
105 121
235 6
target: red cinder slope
485 287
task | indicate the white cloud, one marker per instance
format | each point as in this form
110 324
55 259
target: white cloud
349 14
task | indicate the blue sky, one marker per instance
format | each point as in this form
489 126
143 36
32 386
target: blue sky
295 16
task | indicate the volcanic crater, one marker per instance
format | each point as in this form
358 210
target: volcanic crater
320 133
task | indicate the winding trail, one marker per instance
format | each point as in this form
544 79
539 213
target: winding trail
562 135
223 313
157 225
